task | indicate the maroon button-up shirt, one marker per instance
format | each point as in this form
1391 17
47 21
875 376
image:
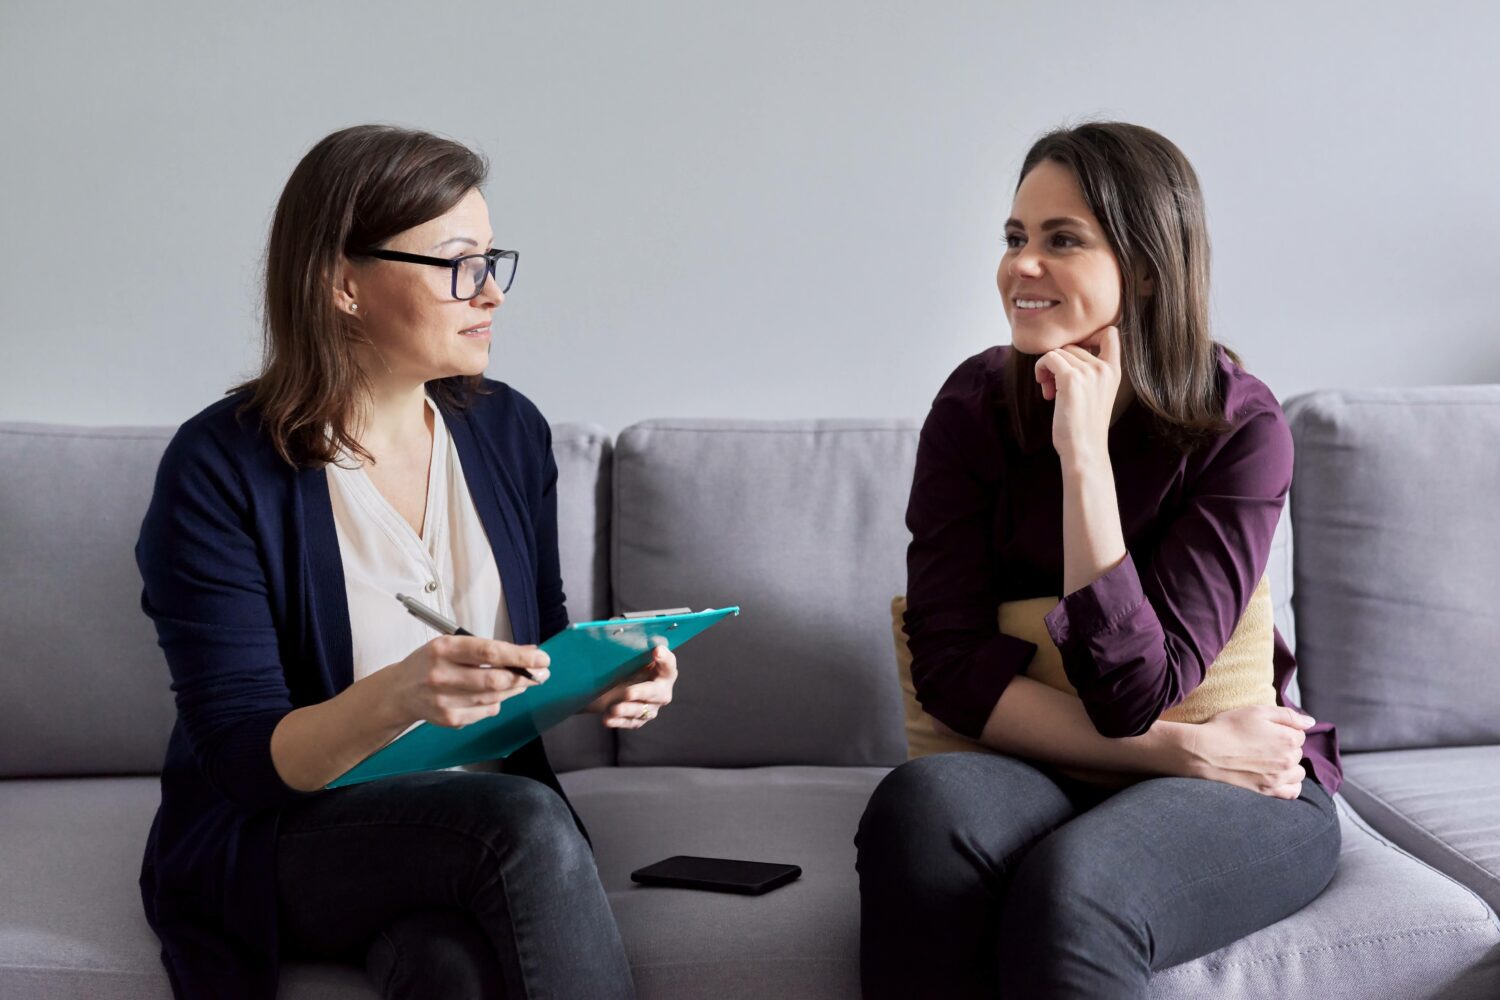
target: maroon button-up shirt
986 524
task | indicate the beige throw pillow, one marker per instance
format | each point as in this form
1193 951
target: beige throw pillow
1240 676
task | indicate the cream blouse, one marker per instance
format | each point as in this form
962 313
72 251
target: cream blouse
450 567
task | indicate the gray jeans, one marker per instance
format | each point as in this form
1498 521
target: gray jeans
450 884
981 875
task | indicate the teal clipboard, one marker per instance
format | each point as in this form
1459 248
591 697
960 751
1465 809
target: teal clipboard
587 659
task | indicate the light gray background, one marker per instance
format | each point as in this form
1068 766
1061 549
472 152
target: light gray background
763 210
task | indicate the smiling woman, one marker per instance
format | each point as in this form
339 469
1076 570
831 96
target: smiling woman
369 457
1064 603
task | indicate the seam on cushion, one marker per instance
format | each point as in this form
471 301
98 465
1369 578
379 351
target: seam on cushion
1179 970
74 970
1364 825
1434 838
92 435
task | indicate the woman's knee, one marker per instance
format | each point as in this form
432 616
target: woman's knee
523 817
909 809
434 953
955 809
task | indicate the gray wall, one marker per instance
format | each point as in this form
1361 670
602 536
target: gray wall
765 210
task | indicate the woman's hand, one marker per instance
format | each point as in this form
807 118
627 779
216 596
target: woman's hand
446 681
1085 386
1259 748
634 703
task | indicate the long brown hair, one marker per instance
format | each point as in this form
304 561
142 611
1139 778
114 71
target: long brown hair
354 190
1146 197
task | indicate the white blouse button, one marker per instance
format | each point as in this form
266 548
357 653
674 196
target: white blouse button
431 586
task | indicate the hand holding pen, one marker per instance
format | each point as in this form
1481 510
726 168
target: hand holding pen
445 681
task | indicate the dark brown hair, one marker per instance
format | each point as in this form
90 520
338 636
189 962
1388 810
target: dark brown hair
354 190
1146 197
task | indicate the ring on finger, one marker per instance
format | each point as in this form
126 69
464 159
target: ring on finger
645 715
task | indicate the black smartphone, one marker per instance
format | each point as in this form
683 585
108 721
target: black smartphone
750 878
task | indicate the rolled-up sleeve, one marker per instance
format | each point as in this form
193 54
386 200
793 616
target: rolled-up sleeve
961 662
1140 638
204 589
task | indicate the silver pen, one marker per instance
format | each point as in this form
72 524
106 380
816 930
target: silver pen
447 626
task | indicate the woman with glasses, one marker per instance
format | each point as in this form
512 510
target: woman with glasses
1087 608
369 457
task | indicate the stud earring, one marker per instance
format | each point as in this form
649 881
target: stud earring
354 307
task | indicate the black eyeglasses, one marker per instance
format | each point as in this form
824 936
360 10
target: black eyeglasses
469 271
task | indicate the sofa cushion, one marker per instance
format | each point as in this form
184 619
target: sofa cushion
1441 804
1386 926
73 924
1396 557
802 524
83 686
799 941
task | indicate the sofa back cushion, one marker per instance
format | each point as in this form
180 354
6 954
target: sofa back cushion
1397 555
802 525
583 459
83 686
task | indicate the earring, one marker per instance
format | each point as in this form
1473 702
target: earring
354 307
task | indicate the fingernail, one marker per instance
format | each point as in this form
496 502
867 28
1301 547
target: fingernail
541 659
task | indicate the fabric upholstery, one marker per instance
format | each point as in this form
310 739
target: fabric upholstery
72 926
583 455
1441 804
83 684
802 940
1279 572
1396 556
1387 926
802 525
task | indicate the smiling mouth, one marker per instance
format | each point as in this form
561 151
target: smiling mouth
1033 305
475 331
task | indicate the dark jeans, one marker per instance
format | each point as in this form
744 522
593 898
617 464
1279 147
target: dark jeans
449 884
981 875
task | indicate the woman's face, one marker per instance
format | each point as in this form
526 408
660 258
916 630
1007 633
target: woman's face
1059 278
408 312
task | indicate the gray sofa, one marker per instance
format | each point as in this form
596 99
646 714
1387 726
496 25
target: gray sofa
787 717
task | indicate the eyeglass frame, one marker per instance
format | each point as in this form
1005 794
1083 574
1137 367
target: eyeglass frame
452 263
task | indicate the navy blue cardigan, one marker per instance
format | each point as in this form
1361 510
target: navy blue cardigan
244 581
